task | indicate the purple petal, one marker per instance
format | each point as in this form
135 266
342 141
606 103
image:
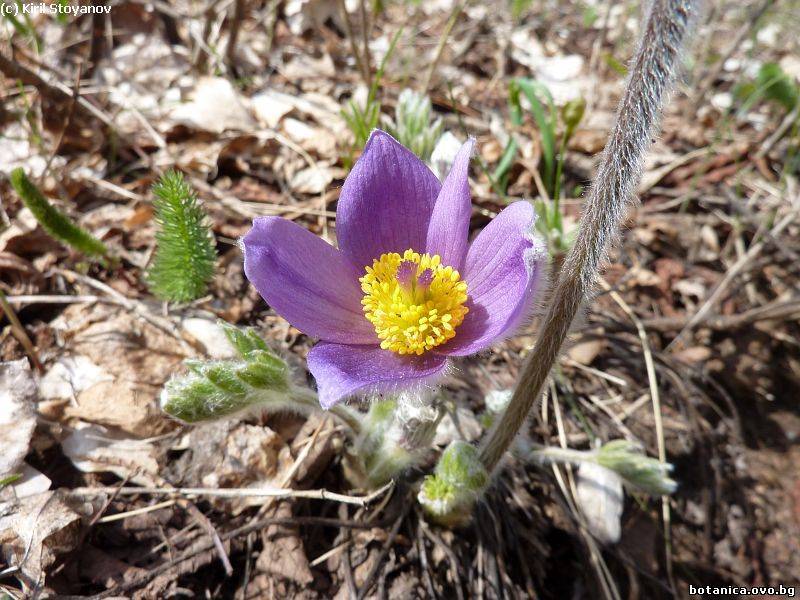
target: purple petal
306 281
386 202
449 227
503 268
343 371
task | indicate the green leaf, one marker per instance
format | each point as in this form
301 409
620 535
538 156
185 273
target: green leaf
185 255
506 162
545 118
52 220
520 7
615 64
777 86
10 479
361 121
572 114
61 17
26 29
244 340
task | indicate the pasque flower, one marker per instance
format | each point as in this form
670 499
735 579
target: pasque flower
405 290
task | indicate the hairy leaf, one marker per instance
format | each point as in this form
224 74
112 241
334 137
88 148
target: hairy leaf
52 220
185 255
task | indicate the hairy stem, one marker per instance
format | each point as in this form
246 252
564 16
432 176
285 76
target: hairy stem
651 75
345 414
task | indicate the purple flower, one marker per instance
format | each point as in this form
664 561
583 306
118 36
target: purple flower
405 290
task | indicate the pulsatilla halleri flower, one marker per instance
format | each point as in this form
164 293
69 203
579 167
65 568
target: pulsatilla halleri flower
405 291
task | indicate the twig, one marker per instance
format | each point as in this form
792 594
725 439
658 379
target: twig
138 511
349 578
332 552
115 189
136 306
774 311
57 299
598 373
423 562
212 533
256 525
19 332
319 494
569 491
448 552
736 44
67 119
348 27
789 120
204 51
457 8
57 92
384 551
269 23
100 44
600 40
652 178
365 27
236 22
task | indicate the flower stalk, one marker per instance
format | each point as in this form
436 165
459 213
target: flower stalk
652 72
637 470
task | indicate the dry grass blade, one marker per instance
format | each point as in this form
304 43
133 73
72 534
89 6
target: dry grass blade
655 396
319 494
752 252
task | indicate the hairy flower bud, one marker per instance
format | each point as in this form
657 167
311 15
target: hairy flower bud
638 470
219 389
259 378
378 448
449 495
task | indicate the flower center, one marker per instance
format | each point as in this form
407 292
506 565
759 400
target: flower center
414 302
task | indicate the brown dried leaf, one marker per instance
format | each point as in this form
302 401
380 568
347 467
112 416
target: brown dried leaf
128 361
694 355
95 449
40 528
284 555
17 413
215 106
585 352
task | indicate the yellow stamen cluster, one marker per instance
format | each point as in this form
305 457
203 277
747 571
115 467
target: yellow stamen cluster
414 302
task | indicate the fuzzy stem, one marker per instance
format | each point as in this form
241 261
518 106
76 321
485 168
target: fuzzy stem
557 454
651 76
346 415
